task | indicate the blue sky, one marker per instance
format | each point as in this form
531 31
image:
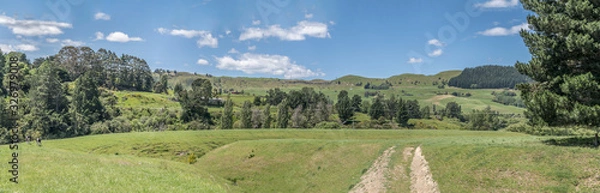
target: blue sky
277 38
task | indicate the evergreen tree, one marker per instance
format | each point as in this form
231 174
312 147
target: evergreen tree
344 107
161 86
377 109
227 117
426 112
402 114
356 102
282 114
564 63
178 88
246 115
391 106
49 104
86 106
453 110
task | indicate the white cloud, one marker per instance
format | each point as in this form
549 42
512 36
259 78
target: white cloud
21 47
436 53
162 30
121 37
69 42
255 22
308 15
202 62
435 42
206 38
51 40
414 60
233 51
187 33
267 64
498 4
251 47
101 16
99 36
33 27
332 22
496 23
227 32
500 31
295 33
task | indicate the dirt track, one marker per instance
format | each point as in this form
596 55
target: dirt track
374 179
421 178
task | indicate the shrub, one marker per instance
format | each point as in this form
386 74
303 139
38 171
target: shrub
328 125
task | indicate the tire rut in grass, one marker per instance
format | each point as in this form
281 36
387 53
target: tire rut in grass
374 180
421 178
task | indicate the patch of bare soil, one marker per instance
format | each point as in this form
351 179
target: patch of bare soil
436 99
421 178
374 179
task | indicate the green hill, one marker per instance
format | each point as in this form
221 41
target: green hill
299 161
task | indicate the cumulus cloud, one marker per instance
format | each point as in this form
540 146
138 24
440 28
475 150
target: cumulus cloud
20 47
101 16
251 48
255 22
33 27
99 36
202 62
500 31
266 64
438 44
498 4
227 32
332 22
206 38
121 37
414 60
435 42
295 33
436 53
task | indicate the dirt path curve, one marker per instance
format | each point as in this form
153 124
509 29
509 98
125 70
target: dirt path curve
374 180
421 178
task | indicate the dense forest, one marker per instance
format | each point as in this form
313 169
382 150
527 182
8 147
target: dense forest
489 76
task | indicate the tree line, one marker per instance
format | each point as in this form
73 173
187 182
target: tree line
489 76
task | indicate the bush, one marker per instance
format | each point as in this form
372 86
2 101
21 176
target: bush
197 125
328 125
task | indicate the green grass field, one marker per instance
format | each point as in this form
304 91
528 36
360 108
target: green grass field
425 92
298 161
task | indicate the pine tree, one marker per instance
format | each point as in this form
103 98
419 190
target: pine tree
564 65
48 103
86 106
377 109
344 107
402 114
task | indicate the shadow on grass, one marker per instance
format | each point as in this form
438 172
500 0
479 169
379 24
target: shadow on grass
587 142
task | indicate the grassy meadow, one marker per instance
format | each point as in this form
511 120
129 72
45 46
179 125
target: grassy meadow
298 161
